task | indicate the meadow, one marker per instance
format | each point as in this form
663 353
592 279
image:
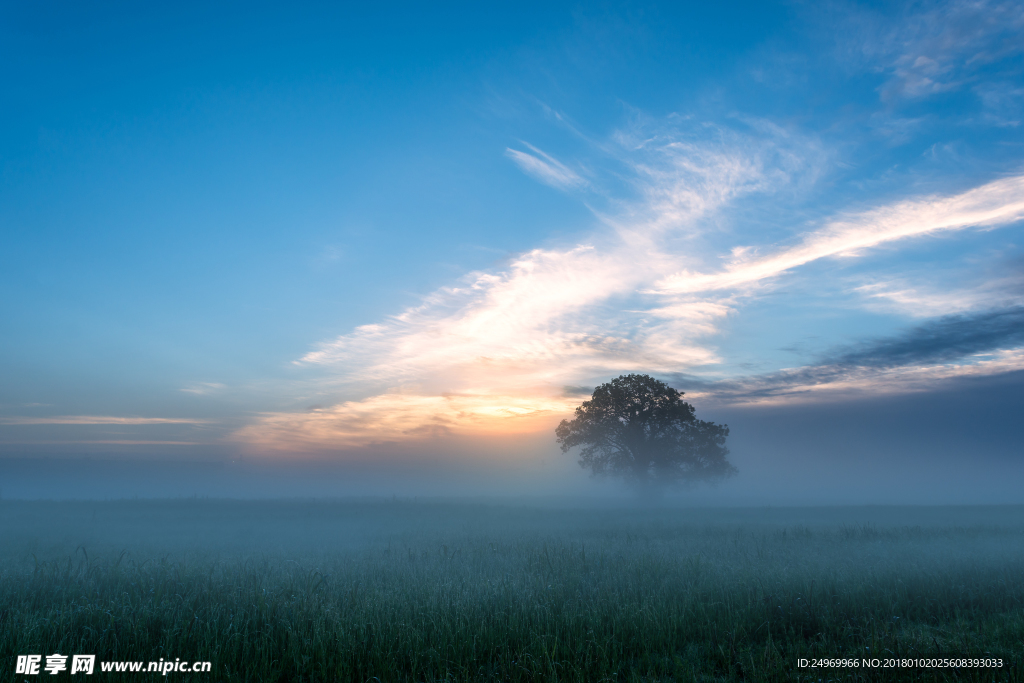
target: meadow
431 590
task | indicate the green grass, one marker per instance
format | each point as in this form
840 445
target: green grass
431 591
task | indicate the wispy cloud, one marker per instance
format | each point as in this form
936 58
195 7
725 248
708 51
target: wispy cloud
930 48
493 353
918 299
683 174
997 203
982 343
490 355
546 168
104 442
203 388
497 349
98 420
945 339
842 382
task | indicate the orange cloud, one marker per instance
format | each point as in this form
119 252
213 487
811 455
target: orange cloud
393 417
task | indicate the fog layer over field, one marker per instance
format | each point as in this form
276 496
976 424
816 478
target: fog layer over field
393 590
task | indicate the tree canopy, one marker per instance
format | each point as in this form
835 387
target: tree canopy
640 428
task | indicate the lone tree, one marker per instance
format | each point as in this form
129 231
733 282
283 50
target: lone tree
640 428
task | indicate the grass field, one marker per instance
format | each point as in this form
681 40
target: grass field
437 591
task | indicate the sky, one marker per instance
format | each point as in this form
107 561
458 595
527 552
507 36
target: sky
413 237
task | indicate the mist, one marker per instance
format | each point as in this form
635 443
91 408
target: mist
957 444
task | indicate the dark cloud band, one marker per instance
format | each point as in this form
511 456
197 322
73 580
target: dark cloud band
944 340
940 341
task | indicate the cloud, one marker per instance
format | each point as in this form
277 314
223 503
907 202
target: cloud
107 442
980 344
394 417
932 48
546 169
203 388
98 420
107 430
1000 202
686 173
541 318
919 300
497 349
1002 102
946 339
495 352
842 382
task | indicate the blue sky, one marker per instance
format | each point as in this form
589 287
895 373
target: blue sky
279 231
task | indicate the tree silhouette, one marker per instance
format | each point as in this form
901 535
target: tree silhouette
641 429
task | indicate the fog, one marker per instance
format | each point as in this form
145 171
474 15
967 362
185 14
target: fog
958 445
412 590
